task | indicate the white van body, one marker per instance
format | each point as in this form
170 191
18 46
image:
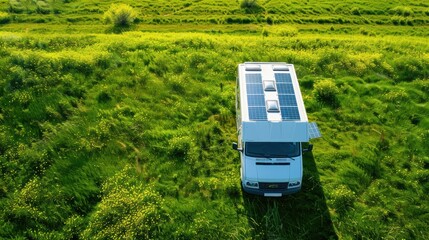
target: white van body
272 124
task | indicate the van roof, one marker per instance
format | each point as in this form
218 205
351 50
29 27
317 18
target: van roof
271 104
270 92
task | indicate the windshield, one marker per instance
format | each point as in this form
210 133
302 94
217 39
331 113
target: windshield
272 149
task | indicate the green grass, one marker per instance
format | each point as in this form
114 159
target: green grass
345 17
107 136
273 11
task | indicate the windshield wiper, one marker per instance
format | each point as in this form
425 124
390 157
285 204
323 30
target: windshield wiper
259 155
283 156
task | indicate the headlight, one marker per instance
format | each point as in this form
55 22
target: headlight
250 184
294 184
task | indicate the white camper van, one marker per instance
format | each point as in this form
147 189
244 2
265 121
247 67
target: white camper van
272 124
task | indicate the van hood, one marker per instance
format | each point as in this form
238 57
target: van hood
275 170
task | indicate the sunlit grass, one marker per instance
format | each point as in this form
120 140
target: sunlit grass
78 110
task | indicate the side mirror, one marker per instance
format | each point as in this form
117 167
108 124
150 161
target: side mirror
235 147
308 149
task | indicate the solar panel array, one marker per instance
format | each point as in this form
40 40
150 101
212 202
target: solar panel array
287 99
313 130
255 97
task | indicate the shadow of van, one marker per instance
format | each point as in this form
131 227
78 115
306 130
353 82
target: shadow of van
303 215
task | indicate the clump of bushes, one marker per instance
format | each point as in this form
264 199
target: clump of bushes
399 20
240 20
355 11
179 146
409 69
326 92
42 7
15 6
342 198
287 32
396 96
103 97
121 15
250 6
4 18
128 210
402 11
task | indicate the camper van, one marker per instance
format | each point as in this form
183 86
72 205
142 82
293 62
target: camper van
272 126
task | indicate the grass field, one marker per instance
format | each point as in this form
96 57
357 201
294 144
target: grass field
128 136
220 12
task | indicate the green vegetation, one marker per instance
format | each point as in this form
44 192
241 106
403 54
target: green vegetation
251 6
345 14
4 18
326 92
109 136
121 15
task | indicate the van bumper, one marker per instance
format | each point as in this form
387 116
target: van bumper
270 192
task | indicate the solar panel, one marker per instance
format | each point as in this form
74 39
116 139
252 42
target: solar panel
253 78
257 113
255 97
285 88
283 78
313 130
255 100
254 89
290 113
287 100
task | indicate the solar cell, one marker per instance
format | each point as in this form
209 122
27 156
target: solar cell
255 100
290 113
287 100
283 78
253 78
285 88
254 89
257 113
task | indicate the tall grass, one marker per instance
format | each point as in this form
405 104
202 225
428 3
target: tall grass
97 127
411 13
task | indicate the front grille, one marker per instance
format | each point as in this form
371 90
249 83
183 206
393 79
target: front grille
272 163
265 185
